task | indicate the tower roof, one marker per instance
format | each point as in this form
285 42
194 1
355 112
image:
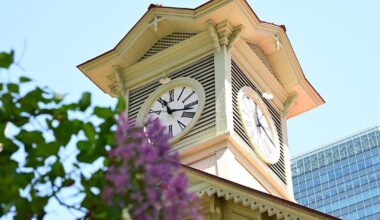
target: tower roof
159 22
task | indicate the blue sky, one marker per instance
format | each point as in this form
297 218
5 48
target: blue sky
335 41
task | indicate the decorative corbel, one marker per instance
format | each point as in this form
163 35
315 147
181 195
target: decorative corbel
289 103
277 41
119 81
214 34
155 22
233 36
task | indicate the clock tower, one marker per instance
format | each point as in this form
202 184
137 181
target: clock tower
222 81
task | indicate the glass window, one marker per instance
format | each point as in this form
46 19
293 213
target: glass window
335 153
344 162
347 178
363 180
344 210
350 192
350 149
322 170
375 151
338 173
365 187
376 160
361 213
331 176
328 156
355 174
350 200
360 205
317 181
357 145
333 191
324 178
368 209
358 191
354 167
340 180
342 151
375 199
321 158
314 162
360 157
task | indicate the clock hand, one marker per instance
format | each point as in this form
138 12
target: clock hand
181 109
167 107
260 125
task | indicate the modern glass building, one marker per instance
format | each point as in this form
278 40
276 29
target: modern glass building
341 178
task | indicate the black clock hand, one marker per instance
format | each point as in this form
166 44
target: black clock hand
260 125
167 107
181 109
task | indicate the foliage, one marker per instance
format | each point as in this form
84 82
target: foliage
53 150
144 175
50 147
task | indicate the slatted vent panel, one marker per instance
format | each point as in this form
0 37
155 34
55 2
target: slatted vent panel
166 42
203 72
239 80
257 50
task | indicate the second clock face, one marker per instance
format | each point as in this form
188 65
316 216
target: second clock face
259 127
175 108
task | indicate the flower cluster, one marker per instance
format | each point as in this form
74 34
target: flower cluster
144 175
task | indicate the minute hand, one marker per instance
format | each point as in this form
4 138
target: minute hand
260 125
181 109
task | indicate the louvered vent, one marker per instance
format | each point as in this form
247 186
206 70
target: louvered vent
257 50
203 72
239 80
166 42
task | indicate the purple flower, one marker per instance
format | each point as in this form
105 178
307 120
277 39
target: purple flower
144 175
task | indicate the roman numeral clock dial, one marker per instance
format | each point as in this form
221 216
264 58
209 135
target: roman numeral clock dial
177 105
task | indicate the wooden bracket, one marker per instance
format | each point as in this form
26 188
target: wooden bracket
289 103
119 81
234 35
214 34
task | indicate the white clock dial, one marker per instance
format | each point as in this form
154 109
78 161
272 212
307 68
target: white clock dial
175 109
259 125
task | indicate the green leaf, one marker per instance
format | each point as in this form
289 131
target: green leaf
102 112
23 179
85 101
30 137
8 108
20 121
121 105
9 147
47 149
24 79
90 131
12 87
57 169
29 103
84 145
68 182
6 59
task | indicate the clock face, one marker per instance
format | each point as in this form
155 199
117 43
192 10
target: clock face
259 126
176 108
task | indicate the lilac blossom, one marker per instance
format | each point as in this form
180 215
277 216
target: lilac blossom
144 175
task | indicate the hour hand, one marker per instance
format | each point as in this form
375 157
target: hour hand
181 109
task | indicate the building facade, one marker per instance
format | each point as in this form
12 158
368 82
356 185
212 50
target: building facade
341 178
224 87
